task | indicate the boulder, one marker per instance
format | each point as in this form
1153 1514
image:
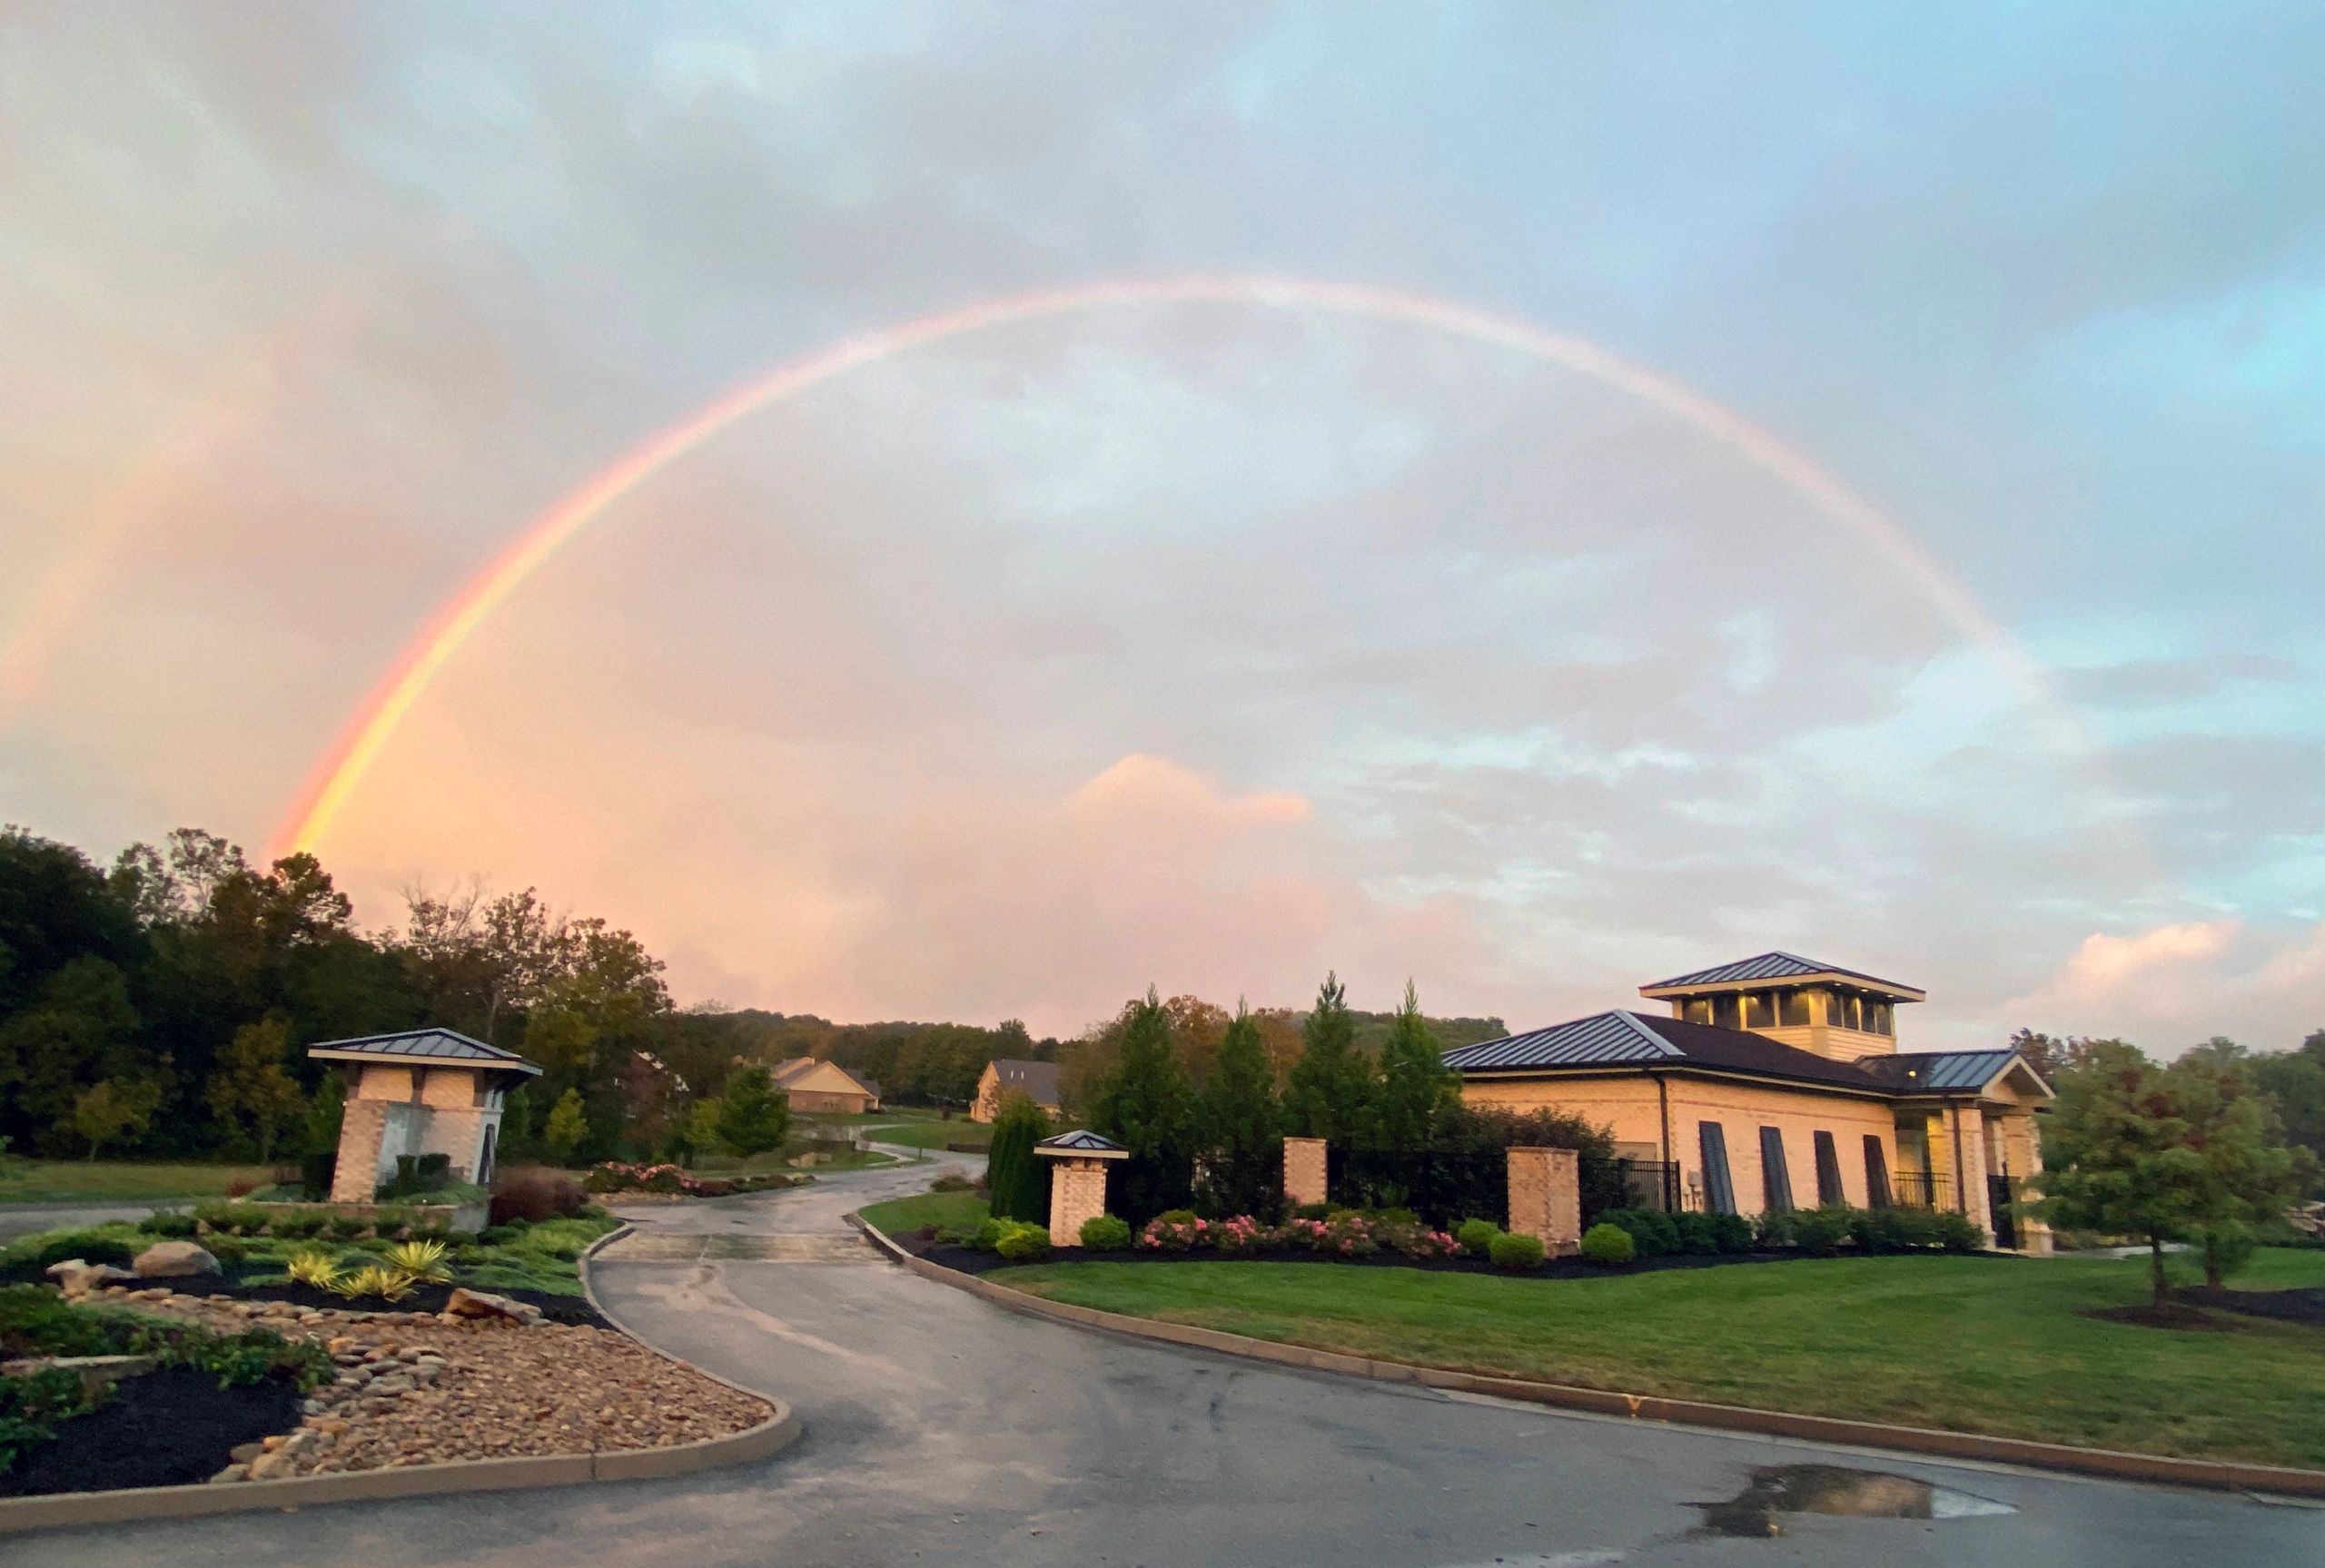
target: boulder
467 1303
175 1260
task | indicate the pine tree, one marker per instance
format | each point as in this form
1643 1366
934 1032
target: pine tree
562 1133
1416 1086
1014 1173
1145 1105
1332 1091
754 1117
1239 1133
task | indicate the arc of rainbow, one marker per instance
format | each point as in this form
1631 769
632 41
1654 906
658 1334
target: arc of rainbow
342 767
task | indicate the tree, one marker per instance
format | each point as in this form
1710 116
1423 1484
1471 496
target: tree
562 1133
1144 1105
1014 1174
1239 1133
2118 1155
1331 1092
81 1031
2248 1174
2295 1080
701 1134
251 1088
754 1117
1416 1086
105 1112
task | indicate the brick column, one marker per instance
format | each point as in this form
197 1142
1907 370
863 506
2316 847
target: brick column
1077 1192
357 1175
1303 1172
1546 1197
1971 1189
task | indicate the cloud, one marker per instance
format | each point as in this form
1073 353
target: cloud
2169 986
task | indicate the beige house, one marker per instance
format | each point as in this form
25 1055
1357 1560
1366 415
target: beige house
425 1091
1775 1082
813 1084
1037 1081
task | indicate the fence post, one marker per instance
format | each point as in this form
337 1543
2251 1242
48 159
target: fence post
1303 1172
1546 1197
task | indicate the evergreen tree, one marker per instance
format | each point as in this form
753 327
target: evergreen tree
1239 1133
753 1116
1014 1173
562 1133
1331 1093
1145 1105
1416 1086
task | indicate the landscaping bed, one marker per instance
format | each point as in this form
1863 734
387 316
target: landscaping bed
166 1428
2307 1306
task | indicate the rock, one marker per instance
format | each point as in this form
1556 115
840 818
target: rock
467 1303
232 1472
77 1277
243 1452
175 1260
271 1466
96 1372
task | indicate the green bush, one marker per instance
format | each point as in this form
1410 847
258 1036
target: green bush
1775 1227
1105 1233
31 1258
226 1248
1311 1211
30 1407
173 1223
1652 1232
393 1223
1475 1237
348 1227
1393 1217
1821 1231
1608 1245
235 1218
1512 1251
298 1225
1733 1232
988 1235
1955 1233
1025 1243
952 1181
1698 1236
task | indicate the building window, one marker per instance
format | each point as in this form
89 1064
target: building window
1843 1013
1720 1193
1723 1011
1775 1181
1876 1172
1828 1170
1877 1017
1696 1010
1760 1010
1791 1009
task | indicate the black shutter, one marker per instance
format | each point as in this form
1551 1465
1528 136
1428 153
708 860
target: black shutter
1876 1172
1828 1170
1720 1195
1775 1181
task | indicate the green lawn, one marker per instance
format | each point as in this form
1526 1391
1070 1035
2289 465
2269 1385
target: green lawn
903 1216
102 1180
1971 1343
934 1134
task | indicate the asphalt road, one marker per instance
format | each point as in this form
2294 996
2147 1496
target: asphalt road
942 1429
29 1219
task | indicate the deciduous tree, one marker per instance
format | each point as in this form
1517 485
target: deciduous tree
2118 1158
107 1112
251 1090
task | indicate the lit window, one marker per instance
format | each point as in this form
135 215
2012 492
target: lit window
1791 1009
1698 1010
1723 1010
1760 1010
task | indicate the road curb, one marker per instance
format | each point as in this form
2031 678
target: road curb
2109 1463
770 1437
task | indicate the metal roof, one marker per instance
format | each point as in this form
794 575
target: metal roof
1939 1072
1769 966
424 1045
1080 1141
1616 1037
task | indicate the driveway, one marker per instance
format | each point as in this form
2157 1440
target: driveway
28 1219
941 1429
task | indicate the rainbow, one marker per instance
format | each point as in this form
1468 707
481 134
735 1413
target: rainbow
341 769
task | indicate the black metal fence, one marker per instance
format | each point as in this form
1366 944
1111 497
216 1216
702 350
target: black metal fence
1144 1186
1918 1189
1443 1186
1647 1184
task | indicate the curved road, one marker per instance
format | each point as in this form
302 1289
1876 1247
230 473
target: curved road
940 1429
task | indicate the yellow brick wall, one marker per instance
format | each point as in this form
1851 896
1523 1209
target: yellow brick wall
1304 1171
1077 1192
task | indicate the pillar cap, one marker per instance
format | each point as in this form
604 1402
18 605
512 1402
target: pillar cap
1080 1145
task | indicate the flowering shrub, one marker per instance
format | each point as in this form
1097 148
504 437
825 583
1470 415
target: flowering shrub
1418 1240
1177 1231
1244 1233
615 1177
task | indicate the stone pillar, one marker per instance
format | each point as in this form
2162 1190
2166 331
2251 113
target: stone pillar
1303 1172
1546 1197
2034 1234
1970 1187
357 1175
1077 1193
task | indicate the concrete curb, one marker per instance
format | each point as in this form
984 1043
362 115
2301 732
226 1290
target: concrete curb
770 1437
2111 1463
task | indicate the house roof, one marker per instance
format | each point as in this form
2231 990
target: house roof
1623 1039
426 1047
1081 1142
1037 1081
787 1073
1778 966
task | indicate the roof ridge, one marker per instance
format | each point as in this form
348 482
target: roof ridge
1646 1030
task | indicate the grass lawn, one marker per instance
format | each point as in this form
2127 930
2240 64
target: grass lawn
936 1134
102 1180
1971 1343
902 1216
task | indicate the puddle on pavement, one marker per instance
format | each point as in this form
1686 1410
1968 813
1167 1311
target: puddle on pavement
1780 1489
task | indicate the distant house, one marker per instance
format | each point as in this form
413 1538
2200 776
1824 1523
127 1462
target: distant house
1037 1081
817 1085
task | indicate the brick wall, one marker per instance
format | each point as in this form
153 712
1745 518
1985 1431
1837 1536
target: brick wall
1077 1192
1303 1172
1546 1197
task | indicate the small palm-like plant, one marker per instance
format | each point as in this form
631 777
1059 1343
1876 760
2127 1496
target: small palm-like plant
318 1269
387 1284
423 1261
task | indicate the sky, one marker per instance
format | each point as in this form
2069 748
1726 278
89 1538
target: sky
1207 643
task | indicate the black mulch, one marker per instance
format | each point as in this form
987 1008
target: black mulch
168 1428
2306 1306
423 1298
968 1261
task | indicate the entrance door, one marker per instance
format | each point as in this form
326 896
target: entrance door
1998 1198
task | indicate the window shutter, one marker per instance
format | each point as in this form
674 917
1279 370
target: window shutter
1876 1172
1775 1181
1719 1194
1828 1170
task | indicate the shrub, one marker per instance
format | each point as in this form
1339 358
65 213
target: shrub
1104 1232
32 1256
1955 1233
988 1235
244 1186
1243 1234
1774 1228
312 1268
1515 1252
1608 1245
1394 1217
237 1219
348 1227
173 1223
1732 1231
1821 1231
1653 1232
1312 1211
952 1182
1475 1236
530 1194
298 1226
1698 1234
1175 1230
316 1170
226 1248
31 1406
422 1260
1025 1243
